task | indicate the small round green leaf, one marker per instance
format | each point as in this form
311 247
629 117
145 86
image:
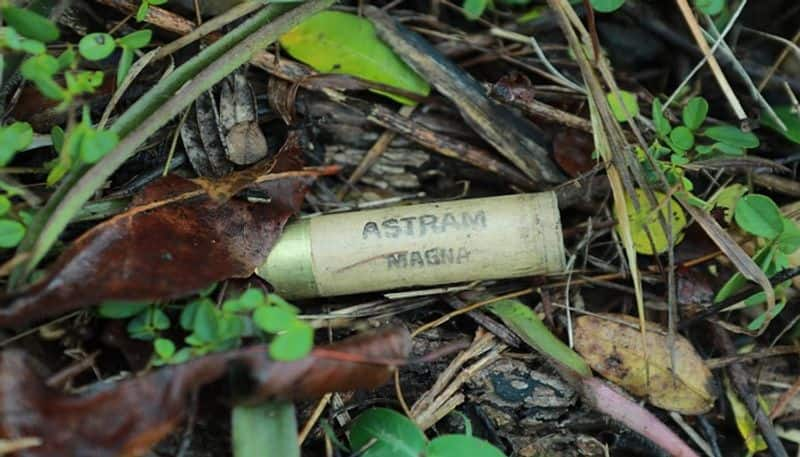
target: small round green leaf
394 435
272 319
789 118
733 136
160 319
11 233
759 215
695 112
681 138
30 24
292 344
789 241
251 298
627 107
461 446
96 46
606 6
164 348
136 40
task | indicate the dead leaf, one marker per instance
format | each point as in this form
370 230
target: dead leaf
614 349
238 118
129 417
175 239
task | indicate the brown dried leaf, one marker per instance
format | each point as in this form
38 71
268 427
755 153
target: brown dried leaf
614 349
129 417
178 237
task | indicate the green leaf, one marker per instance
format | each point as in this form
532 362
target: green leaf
189 313
159 319
125 63
336 42
710 7
5 204
121 309
251 298
660 122
265 430
681 138
759 215
164 348
606 6
14 138
96 46
727 149
293 344
273 319
473 9
205 324
96 144
695 112
394 435
29 24
763 258
789 118
527 325
733 136
461 446
11 233
789 240
66 59
628 106
136 40
38 67
141 12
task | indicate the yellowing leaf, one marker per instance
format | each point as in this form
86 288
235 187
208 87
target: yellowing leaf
336 42
744 422
614 349
646 216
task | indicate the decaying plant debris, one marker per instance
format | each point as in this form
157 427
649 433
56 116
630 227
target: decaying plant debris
151 169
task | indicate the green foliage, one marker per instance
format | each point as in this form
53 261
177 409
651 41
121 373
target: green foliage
11 233
268 429
80 144
10 39
14 138
210 328
382 432
336 42
129 44
144 7
695 112
710 7
760 216
790 119
29 24
625 107
733 136
606 6
525 323
473 9
96 46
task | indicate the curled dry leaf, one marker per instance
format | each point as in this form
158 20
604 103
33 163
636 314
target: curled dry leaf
613 348
129 417
178 236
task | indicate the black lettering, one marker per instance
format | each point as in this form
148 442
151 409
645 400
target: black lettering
446 255
416 259
449 221
474 221
432 256
463 255
409 225
427 222
370 228
397 260
391 229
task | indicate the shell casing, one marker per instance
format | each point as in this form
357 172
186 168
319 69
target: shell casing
417 245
